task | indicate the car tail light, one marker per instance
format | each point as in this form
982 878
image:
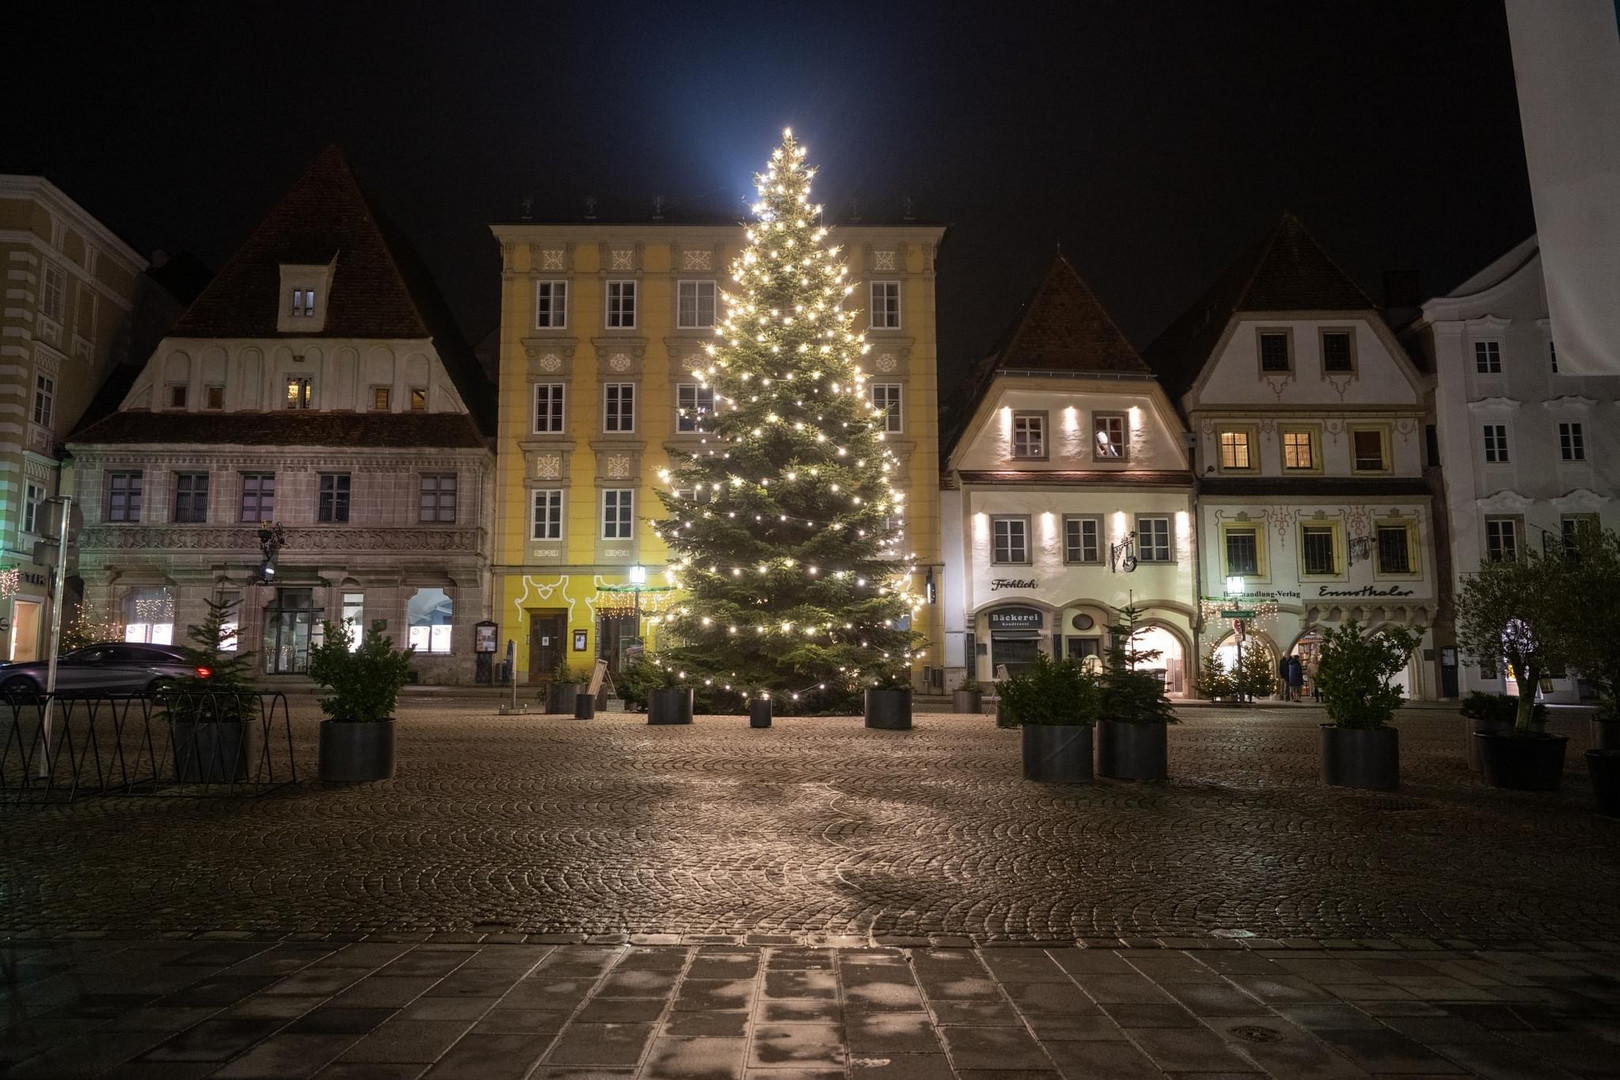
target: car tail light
203 673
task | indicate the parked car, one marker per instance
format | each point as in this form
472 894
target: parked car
114 667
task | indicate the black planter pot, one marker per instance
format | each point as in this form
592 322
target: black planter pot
888 710
1361 757
1057 753
1605 734
211 752
669 707
1530 763
1604 765
1131 751
584 706
560 699
968 701
354 753
759 713
1472 726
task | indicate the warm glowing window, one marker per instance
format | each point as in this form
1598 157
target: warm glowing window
298 392
381 398
1299 449
1235 450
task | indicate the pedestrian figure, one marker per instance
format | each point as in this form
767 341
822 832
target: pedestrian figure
1282 678
1296 677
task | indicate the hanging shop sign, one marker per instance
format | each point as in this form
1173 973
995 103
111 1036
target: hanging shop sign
1366 590
1015 618
997 584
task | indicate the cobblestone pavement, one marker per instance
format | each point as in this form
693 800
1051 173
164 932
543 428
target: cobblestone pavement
383 1010
533 825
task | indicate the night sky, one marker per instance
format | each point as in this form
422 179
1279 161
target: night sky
1154 140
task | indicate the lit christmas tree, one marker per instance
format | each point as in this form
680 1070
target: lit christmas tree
783 527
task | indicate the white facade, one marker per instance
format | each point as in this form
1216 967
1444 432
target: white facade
1553 458
1098 531
1311 483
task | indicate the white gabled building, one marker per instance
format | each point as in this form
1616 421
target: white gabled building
1066 496
1528 452
1308 426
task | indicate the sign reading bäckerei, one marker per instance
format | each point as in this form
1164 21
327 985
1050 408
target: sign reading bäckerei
1015 618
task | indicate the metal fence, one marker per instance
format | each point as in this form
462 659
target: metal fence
57 748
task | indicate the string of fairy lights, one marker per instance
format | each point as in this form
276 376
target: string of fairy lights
817 334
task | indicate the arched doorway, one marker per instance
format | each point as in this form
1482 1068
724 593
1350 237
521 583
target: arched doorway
1172 658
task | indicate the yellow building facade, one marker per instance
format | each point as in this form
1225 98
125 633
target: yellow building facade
601 325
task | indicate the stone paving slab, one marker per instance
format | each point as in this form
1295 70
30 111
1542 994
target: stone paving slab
817 830
724 1012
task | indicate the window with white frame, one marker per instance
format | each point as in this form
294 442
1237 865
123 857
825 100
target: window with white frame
1009 539
437 498
33 500
354 614
693 402
550 305
546 514
1488 357
1029 435
885 305
53 293
44 400
429 621
1496 444
694 304
886 396
700 494
618 513
1108 436
1153 540
548 408
1082 540
123 496
1571 442
621 305
303 303
1501 539
619 407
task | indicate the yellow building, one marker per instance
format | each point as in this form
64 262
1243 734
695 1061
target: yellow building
600 327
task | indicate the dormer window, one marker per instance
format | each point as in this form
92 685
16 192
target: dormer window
305 291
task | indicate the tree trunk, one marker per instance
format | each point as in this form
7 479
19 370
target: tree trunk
1528 679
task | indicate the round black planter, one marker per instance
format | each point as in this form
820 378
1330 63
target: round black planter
1527 763
669 707
968 701
1361 757
888 710
1471 726
1131 751
584 706
1604 765
356 753
759 713
1057 753
1605 734
211 752
561 697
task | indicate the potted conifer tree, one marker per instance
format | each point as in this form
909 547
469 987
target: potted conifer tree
668 691
888 701
1055 703
1359 748
1134 711
968 697
567 683
210 712
1514 611
357 736
1591 638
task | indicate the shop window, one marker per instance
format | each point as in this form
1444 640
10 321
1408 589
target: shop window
354 616
149 616
428 621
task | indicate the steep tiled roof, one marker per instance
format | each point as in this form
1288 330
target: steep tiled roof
1286 271
380 288
288 428
1063 328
